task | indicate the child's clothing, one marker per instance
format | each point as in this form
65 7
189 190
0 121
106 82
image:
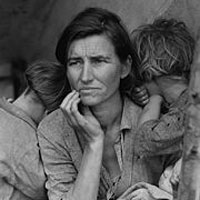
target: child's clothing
164 135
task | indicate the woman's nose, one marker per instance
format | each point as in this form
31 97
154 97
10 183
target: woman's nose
87 74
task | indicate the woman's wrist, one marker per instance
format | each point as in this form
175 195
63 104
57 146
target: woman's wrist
97 143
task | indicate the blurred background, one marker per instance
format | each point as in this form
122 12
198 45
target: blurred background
29 29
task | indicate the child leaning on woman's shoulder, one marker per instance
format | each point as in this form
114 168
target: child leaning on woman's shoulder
165 50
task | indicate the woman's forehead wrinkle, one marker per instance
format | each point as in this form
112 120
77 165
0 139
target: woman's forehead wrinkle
91 48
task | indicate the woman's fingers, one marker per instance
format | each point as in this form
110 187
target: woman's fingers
86 122
68 105
75 113
67 99
175 178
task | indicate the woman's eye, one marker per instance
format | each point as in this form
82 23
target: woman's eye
99 61
73 63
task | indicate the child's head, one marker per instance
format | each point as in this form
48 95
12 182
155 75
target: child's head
47 83
164 47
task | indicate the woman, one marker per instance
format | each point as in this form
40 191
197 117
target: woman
21 170
87 145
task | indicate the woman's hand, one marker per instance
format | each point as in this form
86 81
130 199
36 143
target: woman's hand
164 182
175 178
86 122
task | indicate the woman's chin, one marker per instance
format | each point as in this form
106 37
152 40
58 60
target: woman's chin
89 101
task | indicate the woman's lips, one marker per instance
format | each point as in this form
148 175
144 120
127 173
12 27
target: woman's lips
87 90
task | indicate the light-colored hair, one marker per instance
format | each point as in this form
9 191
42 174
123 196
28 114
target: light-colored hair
164 47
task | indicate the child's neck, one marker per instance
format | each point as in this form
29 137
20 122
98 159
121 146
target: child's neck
171 87
34 110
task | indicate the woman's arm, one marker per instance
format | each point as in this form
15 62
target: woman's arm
89 174
64 182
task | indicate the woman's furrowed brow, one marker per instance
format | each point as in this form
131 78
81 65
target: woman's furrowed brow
106 57
73 58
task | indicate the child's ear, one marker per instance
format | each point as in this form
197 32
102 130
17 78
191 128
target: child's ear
126 67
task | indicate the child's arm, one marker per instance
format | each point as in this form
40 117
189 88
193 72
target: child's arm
162 135
151 110
139 95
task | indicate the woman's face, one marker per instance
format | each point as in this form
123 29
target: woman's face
94 69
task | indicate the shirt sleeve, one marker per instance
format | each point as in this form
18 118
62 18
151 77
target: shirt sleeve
5 172
58 164
21 173
162 136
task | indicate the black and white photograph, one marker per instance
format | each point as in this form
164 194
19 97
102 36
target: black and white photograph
99 100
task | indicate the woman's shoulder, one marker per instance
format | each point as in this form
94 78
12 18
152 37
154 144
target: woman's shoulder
131 111
56 116
54 124
132 106
54 132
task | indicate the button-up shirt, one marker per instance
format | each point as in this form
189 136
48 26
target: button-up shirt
62 150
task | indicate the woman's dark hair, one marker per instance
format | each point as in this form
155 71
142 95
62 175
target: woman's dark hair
49 82
98 21
164 47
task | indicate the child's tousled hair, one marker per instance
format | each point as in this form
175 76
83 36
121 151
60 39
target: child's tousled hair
164 47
